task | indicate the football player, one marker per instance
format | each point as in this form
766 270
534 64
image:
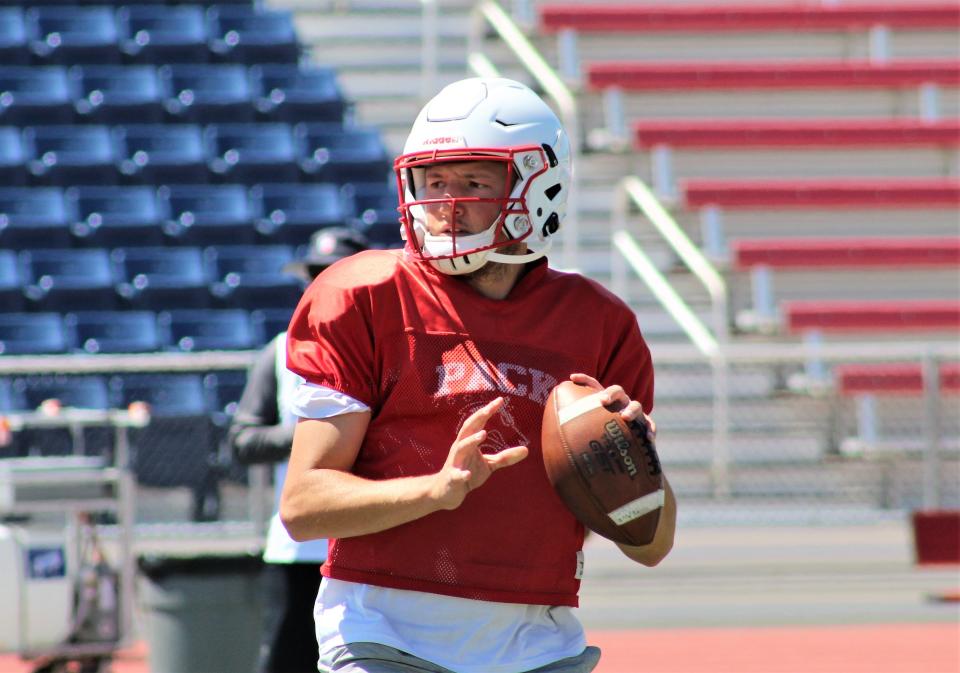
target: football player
425 376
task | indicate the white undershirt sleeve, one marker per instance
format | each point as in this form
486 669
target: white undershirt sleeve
315 401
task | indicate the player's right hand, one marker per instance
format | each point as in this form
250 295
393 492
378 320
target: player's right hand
467 467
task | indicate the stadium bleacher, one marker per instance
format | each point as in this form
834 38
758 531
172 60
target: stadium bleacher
810 150
706 17
151 174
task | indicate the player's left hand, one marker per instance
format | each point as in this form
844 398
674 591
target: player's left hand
616 397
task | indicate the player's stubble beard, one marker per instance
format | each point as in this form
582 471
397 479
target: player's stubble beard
495 271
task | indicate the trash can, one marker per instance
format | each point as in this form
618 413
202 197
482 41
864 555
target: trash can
202 613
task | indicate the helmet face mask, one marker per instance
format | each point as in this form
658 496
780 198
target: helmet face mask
485 120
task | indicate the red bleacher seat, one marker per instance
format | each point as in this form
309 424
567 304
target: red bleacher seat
846 252
901 378
852 316
640 76
711 133
823 193
748 17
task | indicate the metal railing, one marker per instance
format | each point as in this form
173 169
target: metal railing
625 250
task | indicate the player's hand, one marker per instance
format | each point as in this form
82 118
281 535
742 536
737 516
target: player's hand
617 398
467 467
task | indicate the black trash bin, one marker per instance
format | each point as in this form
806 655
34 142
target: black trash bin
202 613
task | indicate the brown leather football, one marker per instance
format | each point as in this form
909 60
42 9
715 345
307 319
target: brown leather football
605 470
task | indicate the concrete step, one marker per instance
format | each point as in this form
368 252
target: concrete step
768 46
780 447
787 162
689 388
747 415
757 103
771 222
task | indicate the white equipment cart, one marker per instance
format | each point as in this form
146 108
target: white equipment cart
71 602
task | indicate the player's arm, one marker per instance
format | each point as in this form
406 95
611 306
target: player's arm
651 554
323 498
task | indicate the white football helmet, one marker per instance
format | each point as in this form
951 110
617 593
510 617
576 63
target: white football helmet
487 119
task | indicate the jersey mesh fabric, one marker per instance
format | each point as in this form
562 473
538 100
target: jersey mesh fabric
424 351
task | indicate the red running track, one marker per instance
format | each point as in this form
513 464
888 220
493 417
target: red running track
875 648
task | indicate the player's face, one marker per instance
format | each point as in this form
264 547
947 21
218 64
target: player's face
470 179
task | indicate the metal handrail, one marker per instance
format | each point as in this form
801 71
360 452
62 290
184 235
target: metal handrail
633 189
490 12
713 346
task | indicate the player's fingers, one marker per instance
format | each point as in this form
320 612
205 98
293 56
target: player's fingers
467 446
507 457
652 424
632 411
479 418
585 380
615 398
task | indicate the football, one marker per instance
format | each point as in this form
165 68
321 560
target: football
605 470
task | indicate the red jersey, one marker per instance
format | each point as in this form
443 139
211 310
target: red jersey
424 351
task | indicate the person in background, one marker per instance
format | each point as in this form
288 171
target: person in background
426 371
262 432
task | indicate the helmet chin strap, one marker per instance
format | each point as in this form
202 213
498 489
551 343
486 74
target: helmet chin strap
493 256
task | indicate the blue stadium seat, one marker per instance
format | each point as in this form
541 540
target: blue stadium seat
330 152
157 278
248 34
169 395
249 153
65 155
207 214
13 37
199 330
79 392
176 448
33 217
207 93
34 95
31 333
376 212
72 35
225 388
68 280
160 153
111 216
289 213
269 322
116 94
163 33
11 402
11 398
124 331
252 276
13 158
294 93
11 296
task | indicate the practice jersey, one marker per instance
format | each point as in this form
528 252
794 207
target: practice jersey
424 351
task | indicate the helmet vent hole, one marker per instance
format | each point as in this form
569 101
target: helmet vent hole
539 212
551 156
551 225
552 192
